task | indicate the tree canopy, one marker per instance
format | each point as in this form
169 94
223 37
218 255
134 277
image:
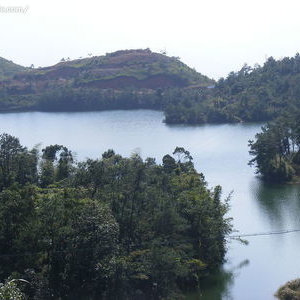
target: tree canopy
111 227
261 93
276 150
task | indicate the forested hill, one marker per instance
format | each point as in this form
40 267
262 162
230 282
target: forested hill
132 79
121 69
261 93
8 69
123 79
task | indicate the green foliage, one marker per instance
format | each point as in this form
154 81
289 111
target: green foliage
17 164
47 176
112 227
8 69
136 79
120 80
54 169
276 149
255 94
18 228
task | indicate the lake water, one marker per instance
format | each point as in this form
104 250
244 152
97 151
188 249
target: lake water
221 153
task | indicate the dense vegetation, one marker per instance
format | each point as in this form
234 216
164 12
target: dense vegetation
276 149
123 79
8 69
110 228
261 93
289 291
133 79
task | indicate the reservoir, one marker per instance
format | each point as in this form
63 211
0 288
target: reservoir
220 152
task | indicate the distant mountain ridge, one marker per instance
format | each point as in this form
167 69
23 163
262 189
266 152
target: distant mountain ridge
133 79
139 68
120 80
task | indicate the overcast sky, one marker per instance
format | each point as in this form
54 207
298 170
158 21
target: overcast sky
213 36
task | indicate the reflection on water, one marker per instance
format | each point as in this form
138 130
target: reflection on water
218 285
279 204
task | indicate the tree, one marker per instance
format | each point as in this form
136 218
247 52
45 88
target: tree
47 173
17 230
92 249
64 168
16 162
54 169
182 154
112 227
169 163
276 149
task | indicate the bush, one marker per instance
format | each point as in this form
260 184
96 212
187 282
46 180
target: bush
289 291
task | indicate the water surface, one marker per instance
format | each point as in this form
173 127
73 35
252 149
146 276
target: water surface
221 153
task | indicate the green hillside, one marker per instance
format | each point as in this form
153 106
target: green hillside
131 79
124 79
8 69
252 94
141 68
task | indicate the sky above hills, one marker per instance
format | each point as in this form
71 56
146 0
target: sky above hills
212 36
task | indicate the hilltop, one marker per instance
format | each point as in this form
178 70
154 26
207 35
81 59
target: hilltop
8 69
121 69
122 79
